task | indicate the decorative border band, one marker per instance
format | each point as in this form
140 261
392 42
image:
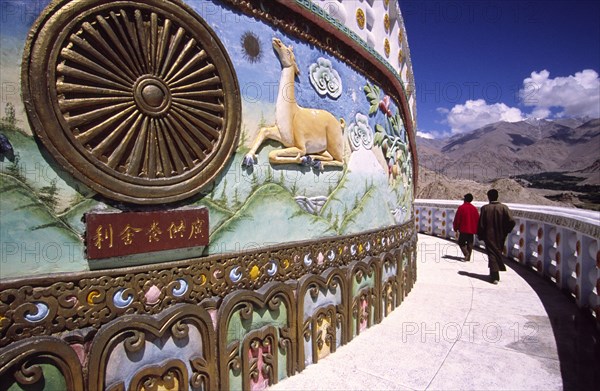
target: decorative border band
74 301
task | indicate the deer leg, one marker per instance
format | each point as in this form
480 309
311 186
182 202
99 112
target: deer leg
325 159
268 133
286 155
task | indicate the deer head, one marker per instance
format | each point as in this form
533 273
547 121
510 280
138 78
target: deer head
286 55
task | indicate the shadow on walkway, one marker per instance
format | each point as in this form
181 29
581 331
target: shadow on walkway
482 277
577 339
452 257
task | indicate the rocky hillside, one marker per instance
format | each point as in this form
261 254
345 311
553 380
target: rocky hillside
437 186
535 161
508 149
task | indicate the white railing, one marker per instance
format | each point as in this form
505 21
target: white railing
561 244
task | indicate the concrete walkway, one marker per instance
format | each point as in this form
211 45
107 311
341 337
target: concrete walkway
456 331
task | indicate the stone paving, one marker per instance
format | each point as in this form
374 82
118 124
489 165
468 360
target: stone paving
457 331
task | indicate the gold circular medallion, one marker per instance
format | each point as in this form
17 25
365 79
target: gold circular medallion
136 99
386 47
360 18
386 23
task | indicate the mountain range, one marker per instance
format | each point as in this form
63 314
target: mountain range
558 159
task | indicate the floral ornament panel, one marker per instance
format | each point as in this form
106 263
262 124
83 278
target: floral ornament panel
360 133
390 136
325 79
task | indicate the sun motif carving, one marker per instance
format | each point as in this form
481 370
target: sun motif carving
145 102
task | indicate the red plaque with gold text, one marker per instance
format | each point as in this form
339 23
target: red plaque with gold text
117 234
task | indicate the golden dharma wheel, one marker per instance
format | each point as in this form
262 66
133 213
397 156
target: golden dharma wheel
136 99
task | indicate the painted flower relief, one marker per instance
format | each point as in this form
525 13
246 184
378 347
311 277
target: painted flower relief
325 79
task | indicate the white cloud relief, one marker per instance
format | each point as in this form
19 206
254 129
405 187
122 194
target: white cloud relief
477 113
575 96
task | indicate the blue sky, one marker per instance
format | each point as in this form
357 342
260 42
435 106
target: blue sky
477 62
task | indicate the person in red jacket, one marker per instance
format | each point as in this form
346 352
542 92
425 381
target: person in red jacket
465 223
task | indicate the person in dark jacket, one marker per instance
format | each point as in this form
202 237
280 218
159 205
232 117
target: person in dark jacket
465 223
495 223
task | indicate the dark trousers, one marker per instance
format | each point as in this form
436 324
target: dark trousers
465 242
495 257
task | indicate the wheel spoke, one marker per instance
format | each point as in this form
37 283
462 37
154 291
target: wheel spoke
97 130
115 41
201 137
164 40
190 143
188 161
197 122
168 131
215 80
125 38
96 55
208 116
174 44
99 150
85 62
214 107
149 166
106 47
200 94
180 58
137 154
129 25
90 116
153 41
80 103
194 75
163 151
195 60
141 30
78 74
69 88
115 158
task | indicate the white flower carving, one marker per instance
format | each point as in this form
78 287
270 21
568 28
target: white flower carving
325 79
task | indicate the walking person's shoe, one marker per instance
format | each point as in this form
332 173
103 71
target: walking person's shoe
465 252
494 277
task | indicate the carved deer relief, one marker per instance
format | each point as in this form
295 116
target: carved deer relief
310 136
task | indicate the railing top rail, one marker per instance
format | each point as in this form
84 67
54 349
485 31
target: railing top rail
584 221
587 216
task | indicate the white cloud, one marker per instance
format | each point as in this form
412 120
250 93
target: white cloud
477 113
575 96
426 135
